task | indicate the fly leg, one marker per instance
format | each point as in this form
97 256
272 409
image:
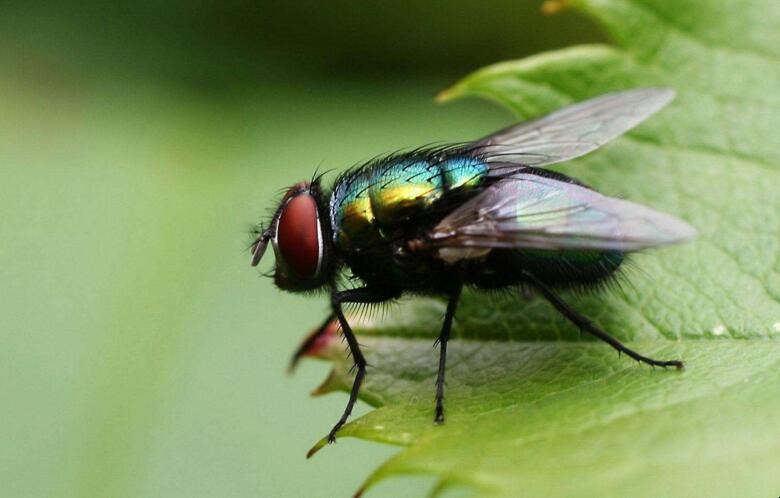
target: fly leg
310 340
444 336
585 324
362 295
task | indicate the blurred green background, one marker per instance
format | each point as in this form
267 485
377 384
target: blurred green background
139 142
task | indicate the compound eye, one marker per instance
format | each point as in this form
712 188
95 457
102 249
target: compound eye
298 237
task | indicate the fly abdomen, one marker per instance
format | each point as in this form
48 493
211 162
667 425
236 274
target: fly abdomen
565 268
559 268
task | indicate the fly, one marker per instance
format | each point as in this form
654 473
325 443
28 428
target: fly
485 214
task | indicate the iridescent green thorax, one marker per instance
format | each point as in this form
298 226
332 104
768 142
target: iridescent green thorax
368 202
398 191
352 216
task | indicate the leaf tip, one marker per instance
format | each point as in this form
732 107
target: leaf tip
317 447
551 7
445 95
330 384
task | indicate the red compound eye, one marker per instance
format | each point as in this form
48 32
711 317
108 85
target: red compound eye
298 236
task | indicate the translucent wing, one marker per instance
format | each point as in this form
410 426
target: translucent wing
574 130
531 211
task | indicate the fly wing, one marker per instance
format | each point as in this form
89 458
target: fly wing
574 130
535 212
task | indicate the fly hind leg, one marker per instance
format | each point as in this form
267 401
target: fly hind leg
585 324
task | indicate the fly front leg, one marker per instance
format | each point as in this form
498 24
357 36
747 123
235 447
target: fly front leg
363 295
444 336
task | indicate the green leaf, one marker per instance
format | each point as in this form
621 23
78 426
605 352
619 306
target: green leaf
535 409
